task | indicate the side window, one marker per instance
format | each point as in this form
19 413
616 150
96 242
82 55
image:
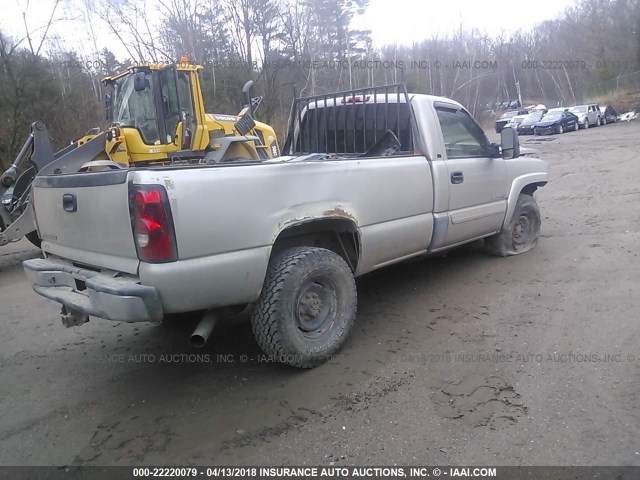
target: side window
169 92
463 137
184 93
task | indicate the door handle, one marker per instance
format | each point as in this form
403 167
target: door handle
69 202
457 177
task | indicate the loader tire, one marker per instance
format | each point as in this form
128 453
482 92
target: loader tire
521 235
307 306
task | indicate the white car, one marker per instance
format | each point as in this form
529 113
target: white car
588 115
515 121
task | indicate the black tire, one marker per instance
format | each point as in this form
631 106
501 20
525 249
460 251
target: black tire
34 238
560 130
522 233
576 127
307 306
586 123
598 122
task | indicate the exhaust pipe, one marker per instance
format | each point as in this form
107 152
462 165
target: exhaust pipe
201 334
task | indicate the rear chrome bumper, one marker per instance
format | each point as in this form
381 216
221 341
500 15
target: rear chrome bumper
94 293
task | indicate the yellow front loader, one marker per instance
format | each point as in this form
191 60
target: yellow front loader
156 117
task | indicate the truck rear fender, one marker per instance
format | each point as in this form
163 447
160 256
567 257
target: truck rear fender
527 184
336 230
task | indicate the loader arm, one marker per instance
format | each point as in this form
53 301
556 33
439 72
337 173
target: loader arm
36 157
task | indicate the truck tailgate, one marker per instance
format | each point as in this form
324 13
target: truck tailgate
85 217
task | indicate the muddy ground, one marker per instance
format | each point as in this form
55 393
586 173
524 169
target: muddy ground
465 359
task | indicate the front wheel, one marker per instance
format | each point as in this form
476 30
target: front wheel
307 306
586 123
576 127
521 235
560 129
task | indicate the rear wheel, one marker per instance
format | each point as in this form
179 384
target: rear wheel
598 122
521 235
307 306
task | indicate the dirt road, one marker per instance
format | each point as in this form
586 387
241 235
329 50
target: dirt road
468 359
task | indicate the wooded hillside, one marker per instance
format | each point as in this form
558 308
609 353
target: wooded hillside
310 46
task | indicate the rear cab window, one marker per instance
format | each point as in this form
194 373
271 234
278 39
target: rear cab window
348 128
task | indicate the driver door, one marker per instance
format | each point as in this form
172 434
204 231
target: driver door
478 184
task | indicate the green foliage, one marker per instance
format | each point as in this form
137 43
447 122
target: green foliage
38 88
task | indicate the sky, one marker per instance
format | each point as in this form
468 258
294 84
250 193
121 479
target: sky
407 21
391 21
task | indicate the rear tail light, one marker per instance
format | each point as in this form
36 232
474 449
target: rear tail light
152 224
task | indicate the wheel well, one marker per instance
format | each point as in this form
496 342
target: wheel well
338 235
532 187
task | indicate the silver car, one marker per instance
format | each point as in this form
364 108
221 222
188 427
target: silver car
588 115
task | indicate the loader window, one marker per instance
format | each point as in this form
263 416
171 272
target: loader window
136 109
184 93
176 98
170 103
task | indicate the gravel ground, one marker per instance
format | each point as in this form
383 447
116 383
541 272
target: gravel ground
463 359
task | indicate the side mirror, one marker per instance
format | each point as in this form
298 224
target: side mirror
510 143
139 83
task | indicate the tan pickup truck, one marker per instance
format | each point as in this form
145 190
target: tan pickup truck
368 178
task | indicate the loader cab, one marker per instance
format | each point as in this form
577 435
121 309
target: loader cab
156 115
158 110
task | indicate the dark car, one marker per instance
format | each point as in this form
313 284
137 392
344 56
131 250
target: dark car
526 126
608 114
556 122
506 118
